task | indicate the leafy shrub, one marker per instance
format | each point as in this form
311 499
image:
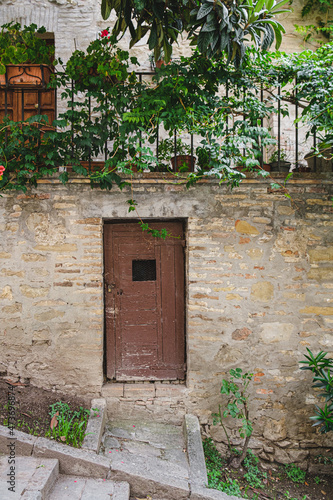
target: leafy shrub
322 368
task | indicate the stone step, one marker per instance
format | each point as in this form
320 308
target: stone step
82 488
31 478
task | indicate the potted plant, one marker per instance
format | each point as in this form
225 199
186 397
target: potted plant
279 166
321 163
159 62
25 57
182 161
102 65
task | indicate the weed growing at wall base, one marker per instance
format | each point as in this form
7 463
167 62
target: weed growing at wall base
294 473
236 407
253 482
66 425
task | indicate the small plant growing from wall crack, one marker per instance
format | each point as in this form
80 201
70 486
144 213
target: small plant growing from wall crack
236 406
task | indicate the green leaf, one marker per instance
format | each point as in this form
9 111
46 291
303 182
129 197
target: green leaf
152 41
278 5
106 8
204 10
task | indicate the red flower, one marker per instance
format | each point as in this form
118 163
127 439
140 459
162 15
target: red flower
2 169
104 33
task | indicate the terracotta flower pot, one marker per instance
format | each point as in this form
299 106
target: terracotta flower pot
266 167
180 161
284 166
160 63
25 75
302 168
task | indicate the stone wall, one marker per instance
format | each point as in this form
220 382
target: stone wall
259 291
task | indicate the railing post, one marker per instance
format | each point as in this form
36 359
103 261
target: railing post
72 121
296 125
279 126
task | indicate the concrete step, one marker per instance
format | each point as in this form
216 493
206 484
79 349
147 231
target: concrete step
151 456
82 488
30 478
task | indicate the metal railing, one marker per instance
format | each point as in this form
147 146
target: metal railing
19 100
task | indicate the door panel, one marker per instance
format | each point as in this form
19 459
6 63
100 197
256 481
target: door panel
22 105
144 302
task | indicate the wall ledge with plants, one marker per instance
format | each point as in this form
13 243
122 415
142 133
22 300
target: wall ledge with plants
111 113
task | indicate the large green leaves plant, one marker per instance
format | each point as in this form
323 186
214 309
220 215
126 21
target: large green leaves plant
215 26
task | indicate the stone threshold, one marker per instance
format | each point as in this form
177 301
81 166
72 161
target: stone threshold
143 390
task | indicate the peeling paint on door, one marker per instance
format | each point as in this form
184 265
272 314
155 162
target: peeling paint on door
144 302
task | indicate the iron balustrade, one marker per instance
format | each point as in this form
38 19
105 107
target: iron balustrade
9 90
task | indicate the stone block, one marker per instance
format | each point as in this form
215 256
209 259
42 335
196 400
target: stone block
262 291
169 390
7 293
244 227
201 493
195 453
139 391
44 477
290 456
321 274
321 254
275 430
95 426
241 333
33 292
23 442
72 460
297 456
111 390
276 332
146 477
281 456
319 311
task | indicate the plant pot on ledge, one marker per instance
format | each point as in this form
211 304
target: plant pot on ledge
183 163
283 167
301 168
26 75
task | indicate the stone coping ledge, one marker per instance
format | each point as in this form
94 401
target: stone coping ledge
95 425
169 178
195 453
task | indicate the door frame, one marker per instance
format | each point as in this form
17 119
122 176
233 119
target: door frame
116 221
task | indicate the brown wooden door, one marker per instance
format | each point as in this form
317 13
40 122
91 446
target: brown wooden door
144 302
22 104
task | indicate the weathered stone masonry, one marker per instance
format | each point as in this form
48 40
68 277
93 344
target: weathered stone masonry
259 291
